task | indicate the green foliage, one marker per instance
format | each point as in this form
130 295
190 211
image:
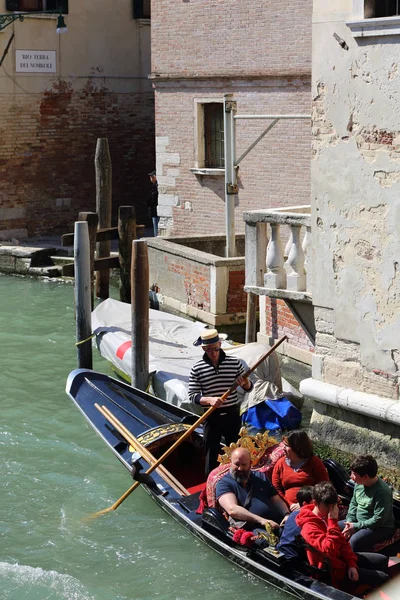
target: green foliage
324 451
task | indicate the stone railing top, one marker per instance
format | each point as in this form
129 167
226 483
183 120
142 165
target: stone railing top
291 215
169 246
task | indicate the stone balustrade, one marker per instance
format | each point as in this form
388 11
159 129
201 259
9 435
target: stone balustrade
273 269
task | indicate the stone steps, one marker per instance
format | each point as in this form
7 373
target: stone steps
33 260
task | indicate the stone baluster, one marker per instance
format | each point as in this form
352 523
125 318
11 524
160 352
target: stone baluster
289 243
275 278
296 278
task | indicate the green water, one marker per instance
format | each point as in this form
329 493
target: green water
55 471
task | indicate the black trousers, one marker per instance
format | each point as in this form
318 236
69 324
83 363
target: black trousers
223 422
372 571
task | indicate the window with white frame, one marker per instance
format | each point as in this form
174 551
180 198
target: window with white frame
37 5
375 9
375 18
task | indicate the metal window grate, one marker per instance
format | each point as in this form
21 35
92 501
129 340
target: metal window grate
214 134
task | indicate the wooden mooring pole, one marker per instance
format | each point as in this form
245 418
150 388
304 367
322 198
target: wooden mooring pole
103 168
126 235
83 295
251 318
140 314
92 221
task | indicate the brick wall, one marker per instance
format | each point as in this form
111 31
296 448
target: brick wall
237 297
231 37
280 321
47 155
276 172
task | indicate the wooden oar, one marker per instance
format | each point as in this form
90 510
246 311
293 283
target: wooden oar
144 452
187 433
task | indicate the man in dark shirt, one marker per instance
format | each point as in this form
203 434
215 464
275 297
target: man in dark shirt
248 496
153 202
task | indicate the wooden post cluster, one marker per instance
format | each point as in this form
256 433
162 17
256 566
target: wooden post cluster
92 244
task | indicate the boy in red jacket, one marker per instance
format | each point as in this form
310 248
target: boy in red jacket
319 528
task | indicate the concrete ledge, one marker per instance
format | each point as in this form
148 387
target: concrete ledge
279 293
170 246
280 218
26 251
51 271
368 405
26 260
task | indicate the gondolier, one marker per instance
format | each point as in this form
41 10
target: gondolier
209 378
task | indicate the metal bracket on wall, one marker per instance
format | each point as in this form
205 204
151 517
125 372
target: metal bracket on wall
230 106
232 188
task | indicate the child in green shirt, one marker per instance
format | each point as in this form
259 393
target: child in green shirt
370 518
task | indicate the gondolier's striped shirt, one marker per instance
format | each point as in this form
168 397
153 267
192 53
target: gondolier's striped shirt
207 380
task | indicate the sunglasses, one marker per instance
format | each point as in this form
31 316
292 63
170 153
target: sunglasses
211 350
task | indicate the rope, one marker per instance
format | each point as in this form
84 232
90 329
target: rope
87 339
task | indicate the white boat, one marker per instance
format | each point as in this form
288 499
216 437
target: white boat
172 354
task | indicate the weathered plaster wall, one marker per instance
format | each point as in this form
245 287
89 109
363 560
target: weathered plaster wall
356 204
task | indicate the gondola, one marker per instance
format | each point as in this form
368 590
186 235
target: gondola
176 486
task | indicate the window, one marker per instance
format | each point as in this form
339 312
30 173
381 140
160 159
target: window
373 18
141 9
374 9
37 5
214 135
208 137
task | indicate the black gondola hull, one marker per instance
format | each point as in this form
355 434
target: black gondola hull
143 415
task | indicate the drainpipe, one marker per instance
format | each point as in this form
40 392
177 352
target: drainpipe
231 187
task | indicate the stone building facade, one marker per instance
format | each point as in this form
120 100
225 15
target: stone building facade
259 53
355 224
93 83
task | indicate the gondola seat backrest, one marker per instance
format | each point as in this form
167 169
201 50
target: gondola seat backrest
271 456
215 521
324 574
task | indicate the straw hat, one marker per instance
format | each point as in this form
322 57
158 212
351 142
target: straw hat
209 336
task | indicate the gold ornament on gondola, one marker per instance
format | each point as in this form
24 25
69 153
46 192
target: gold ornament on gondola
269 536
257 445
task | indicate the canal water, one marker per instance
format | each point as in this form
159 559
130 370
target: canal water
55 472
